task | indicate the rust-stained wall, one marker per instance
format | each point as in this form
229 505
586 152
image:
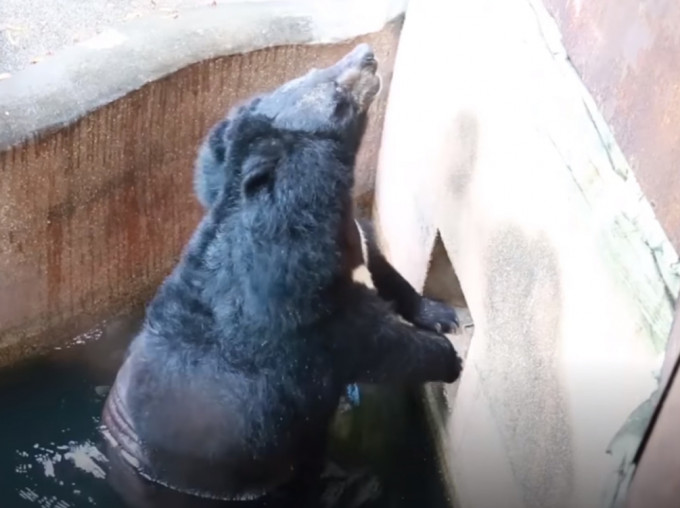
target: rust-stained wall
627 53
93 216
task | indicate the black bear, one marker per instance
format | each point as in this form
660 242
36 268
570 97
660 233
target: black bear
228 389
211 175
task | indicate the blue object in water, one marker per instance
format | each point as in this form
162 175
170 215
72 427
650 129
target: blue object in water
353 394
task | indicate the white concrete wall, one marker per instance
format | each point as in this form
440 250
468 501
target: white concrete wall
491 139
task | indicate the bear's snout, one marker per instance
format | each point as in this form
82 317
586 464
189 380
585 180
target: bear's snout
361 58
357 73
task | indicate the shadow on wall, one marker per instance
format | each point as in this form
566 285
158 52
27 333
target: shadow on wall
442 280
523 312
460 157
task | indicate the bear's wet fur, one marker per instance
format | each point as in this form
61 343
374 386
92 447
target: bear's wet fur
229 388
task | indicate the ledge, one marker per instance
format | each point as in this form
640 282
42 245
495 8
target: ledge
91 74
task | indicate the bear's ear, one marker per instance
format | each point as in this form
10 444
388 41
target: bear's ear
216 140
259 169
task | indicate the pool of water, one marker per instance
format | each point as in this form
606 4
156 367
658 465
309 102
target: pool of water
51 451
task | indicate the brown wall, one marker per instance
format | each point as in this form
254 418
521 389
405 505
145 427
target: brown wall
92 217
628 54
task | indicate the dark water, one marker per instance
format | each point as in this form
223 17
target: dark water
50 448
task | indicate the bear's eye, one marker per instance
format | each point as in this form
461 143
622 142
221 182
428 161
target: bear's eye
343 105
342 108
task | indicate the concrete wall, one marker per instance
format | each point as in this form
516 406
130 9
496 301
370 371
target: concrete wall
97 146
492 141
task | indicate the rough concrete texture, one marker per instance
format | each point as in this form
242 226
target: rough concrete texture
32 30
491 140
61 88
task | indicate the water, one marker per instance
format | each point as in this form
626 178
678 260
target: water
50 447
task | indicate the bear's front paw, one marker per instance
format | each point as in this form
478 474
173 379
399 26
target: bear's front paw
436 316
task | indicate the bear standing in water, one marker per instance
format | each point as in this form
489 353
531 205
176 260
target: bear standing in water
228 389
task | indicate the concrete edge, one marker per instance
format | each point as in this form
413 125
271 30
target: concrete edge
83 77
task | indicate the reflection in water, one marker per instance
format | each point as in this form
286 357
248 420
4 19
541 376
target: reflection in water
52 454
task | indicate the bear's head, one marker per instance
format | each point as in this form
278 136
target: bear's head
281 175
327 105
333 100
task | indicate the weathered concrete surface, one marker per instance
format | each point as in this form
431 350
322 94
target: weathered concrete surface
71 83
94 215
626 52
491 140
33 30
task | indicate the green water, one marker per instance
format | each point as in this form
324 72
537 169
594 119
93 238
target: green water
50 445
